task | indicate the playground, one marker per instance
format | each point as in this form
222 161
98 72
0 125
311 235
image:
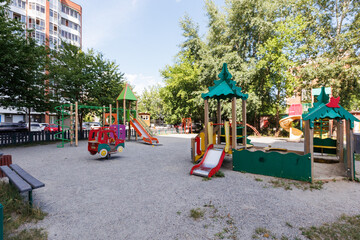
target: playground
146 193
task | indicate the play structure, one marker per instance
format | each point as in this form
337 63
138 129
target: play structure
300 165
112 117
286 124
209 143
186 125
105 141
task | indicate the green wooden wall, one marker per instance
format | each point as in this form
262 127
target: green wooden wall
288 165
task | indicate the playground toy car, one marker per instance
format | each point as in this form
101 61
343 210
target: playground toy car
105 142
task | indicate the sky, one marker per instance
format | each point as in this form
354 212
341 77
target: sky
141 36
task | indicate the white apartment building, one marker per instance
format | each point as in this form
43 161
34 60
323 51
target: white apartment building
52 20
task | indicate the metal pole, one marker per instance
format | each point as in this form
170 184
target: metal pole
76 124
71 125
110 117
1 222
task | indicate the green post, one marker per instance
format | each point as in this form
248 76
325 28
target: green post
30 199
1 222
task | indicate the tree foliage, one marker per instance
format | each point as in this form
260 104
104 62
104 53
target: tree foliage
22 64
151 102
274 50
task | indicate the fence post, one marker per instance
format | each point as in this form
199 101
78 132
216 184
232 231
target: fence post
1 222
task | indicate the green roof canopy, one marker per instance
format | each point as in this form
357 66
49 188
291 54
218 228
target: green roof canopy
225 88
325 109
127 94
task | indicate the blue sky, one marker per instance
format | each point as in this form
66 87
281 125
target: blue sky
142 36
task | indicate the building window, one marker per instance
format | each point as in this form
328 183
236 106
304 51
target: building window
17 16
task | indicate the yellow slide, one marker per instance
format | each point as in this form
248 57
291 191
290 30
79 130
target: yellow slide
285 123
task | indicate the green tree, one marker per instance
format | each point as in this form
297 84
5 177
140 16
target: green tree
151 102
275 81
86 78
333 39
22 64
180 94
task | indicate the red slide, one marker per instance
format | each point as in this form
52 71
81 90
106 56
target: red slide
210 163
142 132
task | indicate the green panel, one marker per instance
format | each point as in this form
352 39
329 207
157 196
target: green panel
288 165
127 94
121 144
104 145
225 88
325 142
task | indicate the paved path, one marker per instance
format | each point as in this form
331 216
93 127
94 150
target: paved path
146 192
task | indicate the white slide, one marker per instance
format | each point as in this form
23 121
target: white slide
210 163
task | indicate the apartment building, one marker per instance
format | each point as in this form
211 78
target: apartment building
52 20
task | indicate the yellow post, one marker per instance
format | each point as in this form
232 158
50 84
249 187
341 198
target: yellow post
227 136
210 133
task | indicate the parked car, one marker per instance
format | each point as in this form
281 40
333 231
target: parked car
13 127
34 127
52 128
91 125
43 126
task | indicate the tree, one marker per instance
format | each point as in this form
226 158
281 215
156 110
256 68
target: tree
107 82
86 78
179 95
275 80
22 65
333 38
151 102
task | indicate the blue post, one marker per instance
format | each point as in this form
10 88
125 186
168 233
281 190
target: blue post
1 222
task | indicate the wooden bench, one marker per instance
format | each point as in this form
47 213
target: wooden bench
22 180
326 145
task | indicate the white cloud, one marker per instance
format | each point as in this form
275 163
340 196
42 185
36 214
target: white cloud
140 81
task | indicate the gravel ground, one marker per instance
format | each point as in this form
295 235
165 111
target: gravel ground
146 192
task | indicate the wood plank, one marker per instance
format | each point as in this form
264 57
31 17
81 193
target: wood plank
244 122
206 120
27 177
218 120
233 123
15 179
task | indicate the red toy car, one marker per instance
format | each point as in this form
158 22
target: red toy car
105 142
52 128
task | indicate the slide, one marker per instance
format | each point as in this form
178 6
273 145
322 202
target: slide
142 132
210 163
285 123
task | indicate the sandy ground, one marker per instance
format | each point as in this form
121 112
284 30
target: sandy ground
146 192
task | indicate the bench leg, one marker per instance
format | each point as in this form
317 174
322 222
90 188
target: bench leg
30 199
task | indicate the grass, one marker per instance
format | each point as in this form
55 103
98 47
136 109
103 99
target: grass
258 179
357 157
18 212
197 213
262 232
346 227
289 184
218 174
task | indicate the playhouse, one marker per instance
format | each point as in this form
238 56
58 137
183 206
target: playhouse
209 143
300 165
216 140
